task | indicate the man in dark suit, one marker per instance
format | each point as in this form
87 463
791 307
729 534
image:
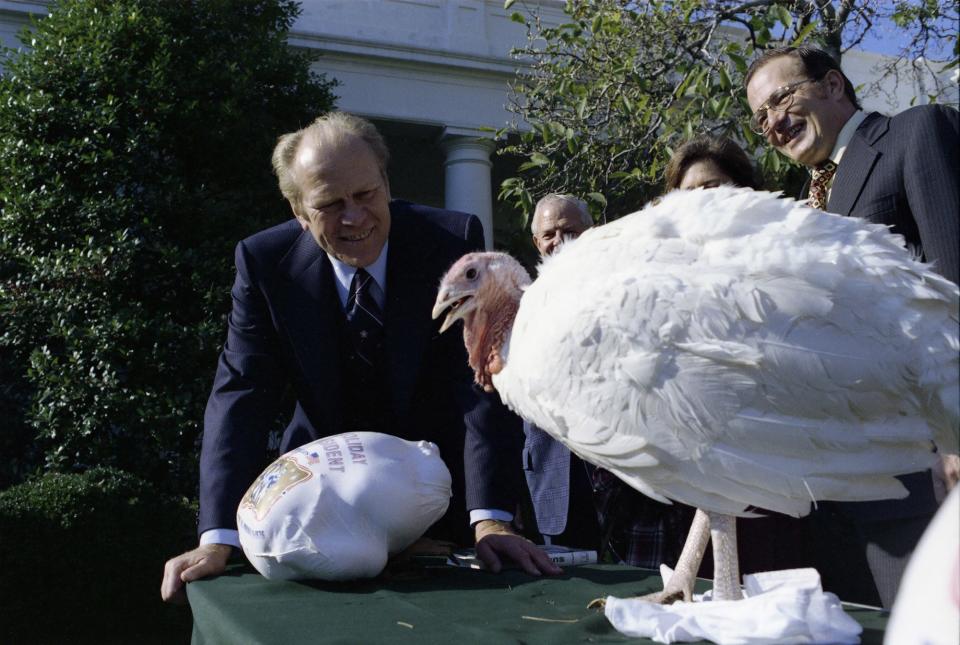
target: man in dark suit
302 290
900 171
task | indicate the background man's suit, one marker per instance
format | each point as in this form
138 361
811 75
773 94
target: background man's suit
578 505
901 171
286 330
560 491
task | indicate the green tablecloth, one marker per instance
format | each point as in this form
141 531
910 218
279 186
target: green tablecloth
432 605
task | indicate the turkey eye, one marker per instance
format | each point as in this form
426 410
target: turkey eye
471 274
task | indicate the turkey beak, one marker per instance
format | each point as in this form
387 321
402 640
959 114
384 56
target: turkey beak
452 303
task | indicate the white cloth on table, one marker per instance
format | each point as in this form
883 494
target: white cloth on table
778 607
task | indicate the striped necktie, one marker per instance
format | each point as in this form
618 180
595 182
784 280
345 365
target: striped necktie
364 318
819 182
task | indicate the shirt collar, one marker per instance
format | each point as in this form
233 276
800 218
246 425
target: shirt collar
344 275
846 134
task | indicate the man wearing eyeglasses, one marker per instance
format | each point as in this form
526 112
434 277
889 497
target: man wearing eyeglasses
899 171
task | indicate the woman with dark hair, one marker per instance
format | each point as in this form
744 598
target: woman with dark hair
708 162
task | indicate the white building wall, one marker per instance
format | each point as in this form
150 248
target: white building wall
895 93
14 15
432 62
442 62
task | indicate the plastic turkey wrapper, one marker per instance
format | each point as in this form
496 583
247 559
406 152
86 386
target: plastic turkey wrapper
338 507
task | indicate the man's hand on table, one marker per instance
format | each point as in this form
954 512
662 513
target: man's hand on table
205 560
496 540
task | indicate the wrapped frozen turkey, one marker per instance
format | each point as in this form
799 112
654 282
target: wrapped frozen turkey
336 508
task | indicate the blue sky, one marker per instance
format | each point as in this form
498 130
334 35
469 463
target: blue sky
886 38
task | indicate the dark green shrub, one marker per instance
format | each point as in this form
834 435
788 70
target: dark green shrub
135 138
81 556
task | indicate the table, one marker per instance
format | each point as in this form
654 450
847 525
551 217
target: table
429 605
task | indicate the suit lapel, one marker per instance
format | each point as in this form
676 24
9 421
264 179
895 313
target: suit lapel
856 165
307 302
411 291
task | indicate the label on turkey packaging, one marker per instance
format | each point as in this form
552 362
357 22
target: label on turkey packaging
272 484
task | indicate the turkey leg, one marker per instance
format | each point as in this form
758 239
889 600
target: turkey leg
680 584
726 566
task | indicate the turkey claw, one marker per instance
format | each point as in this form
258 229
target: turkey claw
659 598
666 597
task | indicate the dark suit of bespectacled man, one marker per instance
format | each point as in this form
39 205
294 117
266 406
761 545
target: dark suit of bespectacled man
901 171
288 329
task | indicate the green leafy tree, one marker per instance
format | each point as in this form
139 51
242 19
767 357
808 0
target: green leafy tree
609 93
135 138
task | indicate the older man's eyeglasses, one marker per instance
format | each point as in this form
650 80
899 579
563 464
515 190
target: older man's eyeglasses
781 99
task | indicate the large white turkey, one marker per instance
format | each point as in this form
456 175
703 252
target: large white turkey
726 349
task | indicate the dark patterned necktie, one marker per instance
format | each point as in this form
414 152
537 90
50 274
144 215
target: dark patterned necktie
820 180
364 318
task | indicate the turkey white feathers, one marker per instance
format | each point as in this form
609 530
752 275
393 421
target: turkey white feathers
725 348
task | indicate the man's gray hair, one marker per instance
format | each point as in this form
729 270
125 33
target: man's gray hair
564 199
329 128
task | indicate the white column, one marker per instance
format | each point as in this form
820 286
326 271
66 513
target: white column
467 175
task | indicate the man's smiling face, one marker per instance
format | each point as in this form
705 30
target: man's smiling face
344 198
807 130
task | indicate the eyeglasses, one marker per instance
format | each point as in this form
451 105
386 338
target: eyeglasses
780 100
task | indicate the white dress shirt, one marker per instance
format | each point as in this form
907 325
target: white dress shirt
843 140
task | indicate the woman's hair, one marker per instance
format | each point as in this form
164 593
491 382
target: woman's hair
727 155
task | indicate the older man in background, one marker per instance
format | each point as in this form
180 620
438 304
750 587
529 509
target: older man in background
559 482
558 218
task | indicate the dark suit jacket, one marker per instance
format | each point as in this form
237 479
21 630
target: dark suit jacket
902 171
283 332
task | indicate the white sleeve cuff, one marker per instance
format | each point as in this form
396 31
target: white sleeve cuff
478 514
221 536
